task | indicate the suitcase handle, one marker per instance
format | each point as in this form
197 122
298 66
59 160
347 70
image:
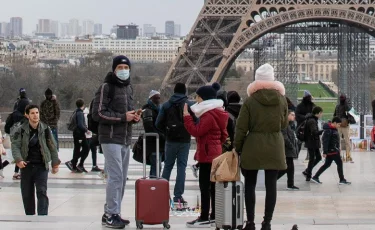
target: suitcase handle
157 154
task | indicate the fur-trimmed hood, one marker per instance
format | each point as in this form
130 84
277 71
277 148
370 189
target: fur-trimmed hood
205 106
258 85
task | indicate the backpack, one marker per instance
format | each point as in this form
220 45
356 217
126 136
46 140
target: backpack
72 125
300 131
9 123
93 125
175 122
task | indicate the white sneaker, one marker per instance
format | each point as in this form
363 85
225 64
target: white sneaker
1 173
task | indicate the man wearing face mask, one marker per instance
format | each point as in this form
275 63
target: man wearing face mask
113 109
50 113
149 116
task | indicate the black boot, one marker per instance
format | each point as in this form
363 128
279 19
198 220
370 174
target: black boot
266 226
249 226
295 227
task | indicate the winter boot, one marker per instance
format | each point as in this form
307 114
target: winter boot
266 226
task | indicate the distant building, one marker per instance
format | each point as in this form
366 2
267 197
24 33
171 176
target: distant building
372 49
177 30
74 28
4 29
46 35
16 27
149 30
98 29
87 27
169 28
55 28
44 26
64 29
127 31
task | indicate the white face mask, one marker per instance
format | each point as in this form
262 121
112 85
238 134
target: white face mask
123 74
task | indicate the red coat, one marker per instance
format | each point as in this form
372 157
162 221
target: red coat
210 134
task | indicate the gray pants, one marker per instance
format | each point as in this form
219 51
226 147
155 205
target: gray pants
116 165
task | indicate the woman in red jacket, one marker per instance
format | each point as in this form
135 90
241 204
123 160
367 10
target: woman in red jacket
210 134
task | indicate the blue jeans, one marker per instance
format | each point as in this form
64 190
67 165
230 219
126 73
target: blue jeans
180 152
55 135
153 164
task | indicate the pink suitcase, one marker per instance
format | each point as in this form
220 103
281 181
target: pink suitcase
151 194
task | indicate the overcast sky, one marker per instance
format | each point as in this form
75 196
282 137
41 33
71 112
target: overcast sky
107 12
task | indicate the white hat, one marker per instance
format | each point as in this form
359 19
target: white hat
265 73
153 93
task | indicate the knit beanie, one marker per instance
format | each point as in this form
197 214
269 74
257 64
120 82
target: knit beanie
208 92
265 73
306 93
48 92
120 60
153 93
223 95
233 97
180 88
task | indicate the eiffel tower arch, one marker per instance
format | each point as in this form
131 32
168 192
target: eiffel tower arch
225 28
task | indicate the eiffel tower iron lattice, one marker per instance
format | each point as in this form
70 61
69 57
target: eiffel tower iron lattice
224 29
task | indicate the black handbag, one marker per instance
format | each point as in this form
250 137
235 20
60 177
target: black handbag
138 151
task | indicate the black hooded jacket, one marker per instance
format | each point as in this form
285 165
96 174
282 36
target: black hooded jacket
233 110
304 108
312 133
331 140
111 113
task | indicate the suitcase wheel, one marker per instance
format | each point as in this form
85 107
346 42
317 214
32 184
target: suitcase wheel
166 225
139 225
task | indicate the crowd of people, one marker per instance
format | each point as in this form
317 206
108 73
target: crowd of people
262 130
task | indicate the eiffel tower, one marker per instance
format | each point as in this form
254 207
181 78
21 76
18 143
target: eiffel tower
225 28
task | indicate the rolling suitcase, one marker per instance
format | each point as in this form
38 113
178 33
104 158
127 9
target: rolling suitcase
151 194
229 205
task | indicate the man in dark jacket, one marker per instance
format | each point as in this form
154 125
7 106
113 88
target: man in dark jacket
170 122
81 146
34 149
19 116
341 111
312 137
302 110
331 151
20 106
290 151
50 113
373 111
149 116
115 115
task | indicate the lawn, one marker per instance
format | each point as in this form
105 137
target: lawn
328 109
316 90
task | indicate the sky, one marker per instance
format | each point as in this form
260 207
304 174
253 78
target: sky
106 12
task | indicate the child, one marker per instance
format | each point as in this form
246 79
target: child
331 151
2 152
291 153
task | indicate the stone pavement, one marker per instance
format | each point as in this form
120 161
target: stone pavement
76 200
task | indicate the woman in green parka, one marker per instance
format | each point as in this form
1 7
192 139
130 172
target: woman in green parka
259 141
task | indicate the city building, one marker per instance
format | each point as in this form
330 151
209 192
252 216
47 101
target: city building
311 65
55 28
177 30
98 29
44 26
64 29
74 28
4 29
149 30
169 28
72 47
87 27
127 31
138 50
16 27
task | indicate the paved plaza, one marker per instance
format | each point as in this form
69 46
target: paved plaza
76 200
